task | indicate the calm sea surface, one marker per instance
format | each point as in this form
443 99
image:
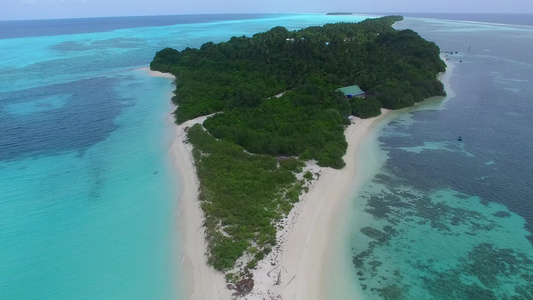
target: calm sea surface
449 219
88 198
87 195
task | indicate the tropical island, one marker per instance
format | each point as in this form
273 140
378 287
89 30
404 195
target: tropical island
277 104
339 13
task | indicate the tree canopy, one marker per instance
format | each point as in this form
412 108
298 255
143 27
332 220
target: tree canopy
274 95
240 77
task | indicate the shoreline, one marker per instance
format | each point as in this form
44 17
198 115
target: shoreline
303 256
200 280
445 76
157 73
341 285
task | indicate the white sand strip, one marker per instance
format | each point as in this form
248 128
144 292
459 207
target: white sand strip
304 256
158 74
446 76
202 281
295 269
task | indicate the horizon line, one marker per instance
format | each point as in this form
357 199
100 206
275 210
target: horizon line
267 13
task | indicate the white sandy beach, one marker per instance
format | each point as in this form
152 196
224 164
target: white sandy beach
305 243
310 242
445 77
158 74
203 282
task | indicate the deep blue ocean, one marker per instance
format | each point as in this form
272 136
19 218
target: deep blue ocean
88 194
448 219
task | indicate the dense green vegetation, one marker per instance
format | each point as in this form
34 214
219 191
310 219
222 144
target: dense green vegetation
275 96
287 126
365 108
241 76
242 195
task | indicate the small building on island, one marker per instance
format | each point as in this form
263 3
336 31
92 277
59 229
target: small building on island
352 91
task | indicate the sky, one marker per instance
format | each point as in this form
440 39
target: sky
57 9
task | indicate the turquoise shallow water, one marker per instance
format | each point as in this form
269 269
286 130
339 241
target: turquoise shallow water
87 196
444 219
94 222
